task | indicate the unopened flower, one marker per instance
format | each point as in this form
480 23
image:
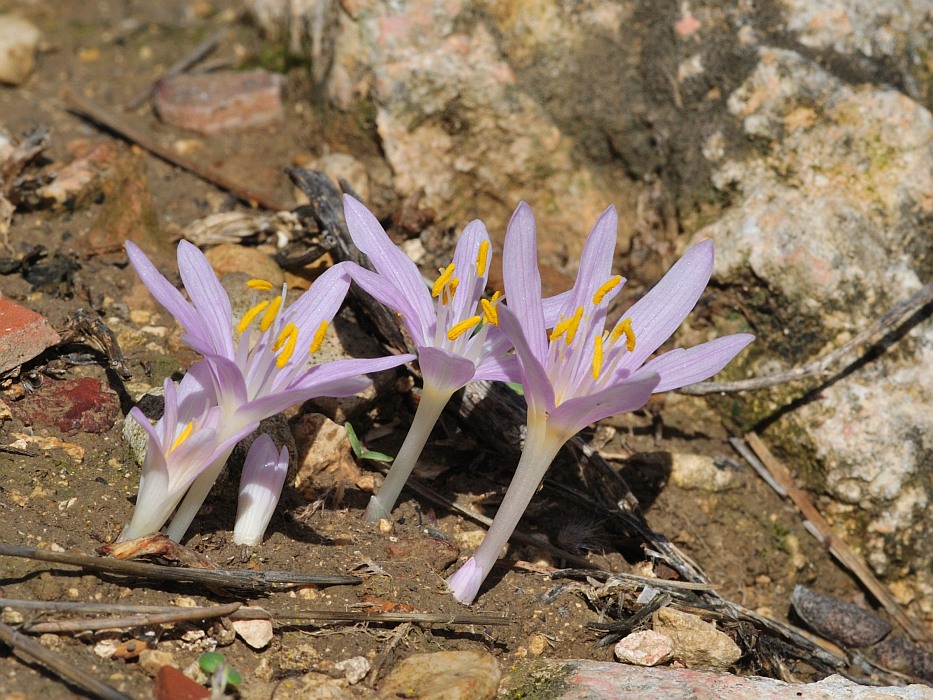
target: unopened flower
254 379
260 487
453 327
185 442
581 371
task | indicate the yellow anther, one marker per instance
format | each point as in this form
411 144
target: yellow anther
288 341
318 340
624 328
606 287
261 285
442 280
250 316
481 258
597 356
268 318
490 312
289 330
182 436
463 327
495 297
568 327
450 290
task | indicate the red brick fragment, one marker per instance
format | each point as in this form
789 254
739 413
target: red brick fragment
23 335
172 684
221 101
71 406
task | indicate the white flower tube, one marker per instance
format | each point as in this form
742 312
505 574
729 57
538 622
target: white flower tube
260 488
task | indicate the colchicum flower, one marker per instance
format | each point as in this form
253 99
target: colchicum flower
253 380
260 486
581 371
181 445
453 327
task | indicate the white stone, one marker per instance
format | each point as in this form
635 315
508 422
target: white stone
256 633
18 41
645 648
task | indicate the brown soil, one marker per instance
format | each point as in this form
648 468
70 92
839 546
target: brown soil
747 539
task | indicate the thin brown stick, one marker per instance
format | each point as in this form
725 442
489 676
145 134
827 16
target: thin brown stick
828 538
230 579
252 613
203 49
95 624
32 650
819 367
121 128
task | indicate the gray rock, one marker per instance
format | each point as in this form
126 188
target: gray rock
832 216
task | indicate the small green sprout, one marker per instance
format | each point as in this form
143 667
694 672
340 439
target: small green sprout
358 450
222 675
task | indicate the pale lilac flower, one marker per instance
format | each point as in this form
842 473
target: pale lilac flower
581 371
260 487
453 327
255 378
185 442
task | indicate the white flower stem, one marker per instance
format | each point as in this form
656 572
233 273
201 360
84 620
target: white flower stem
541 446
195 498
429 410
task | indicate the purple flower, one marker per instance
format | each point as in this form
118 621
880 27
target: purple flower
453 327
260 487
581 371
255 378
185 442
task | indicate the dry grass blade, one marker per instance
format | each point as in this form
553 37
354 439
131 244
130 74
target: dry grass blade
229 579
347 616
832 542
32 650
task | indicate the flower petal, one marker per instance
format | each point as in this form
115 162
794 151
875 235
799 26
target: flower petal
660 312
465 583
681 367
629 395
539 394
465 256
165 293
444 371
595 263
369 236
208 296
523 280
386 293
261 484
499 369
319 303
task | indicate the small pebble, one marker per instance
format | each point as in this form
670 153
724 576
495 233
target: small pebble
645 648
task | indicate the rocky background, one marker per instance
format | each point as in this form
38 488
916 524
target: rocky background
797 135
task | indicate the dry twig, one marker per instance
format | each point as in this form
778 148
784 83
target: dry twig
33 651
124 130
96 624
229 579
819 367
823 531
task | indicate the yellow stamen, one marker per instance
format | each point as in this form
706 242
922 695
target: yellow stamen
463 327
481 258
495 297
250 316
490 312
261 285
606 287
597 356
289 342
442 281
268 318
450 290
624 328
289 330
568 327
318 339
182 436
